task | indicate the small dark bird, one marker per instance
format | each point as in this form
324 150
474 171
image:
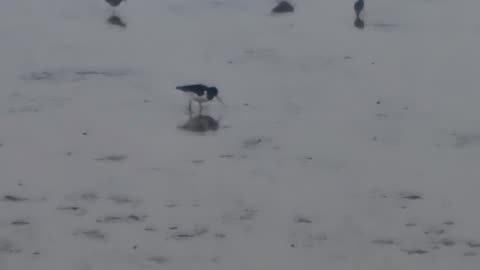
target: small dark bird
358 7
115 3
199 93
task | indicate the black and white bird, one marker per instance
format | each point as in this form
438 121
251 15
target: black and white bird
199 93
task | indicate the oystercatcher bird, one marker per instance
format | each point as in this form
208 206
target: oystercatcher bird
199 93
358 7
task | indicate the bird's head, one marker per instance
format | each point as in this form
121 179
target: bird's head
212 92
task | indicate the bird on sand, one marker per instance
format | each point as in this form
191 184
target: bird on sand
199 93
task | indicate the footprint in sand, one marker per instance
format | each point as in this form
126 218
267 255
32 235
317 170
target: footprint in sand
122 199
112 158
14 198
158 259
385 241
415 251
92 234
196 231
132 218
83 196
20 222
74 210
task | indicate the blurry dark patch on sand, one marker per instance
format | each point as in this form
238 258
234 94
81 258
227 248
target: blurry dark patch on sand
74 210
415 251
245 214
150 228
20 222
14 198
73 74
91 234
302 220
447 242
232 156
256 141
433 231
198 230
8 247
466 139
473 243
252 142
220 235
122 219
449 222
307 239
384 241
112 158
200 123
83 196
116 20
123 199
172 204
403 195
158 259
313 239
410 195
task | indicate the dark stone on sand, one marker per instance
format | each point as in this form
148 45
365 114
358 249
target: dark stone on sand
200 123
116 21
359 23
283 7
13 198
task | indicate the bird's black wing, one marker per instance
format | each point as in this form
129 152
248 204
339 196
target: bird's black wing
198 89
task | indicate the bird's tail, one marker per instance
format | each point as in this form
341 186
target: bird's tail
180 88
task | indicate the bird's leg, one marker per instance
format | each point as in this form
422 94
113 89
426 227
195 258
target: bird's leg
200 107
190 108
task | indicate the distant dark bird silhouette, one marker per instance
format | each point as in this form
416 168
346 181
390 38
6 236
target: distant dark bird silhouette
115 3
199 93
358 7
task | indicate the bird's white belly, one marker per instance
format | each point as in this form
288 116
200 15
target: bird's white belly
197 98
